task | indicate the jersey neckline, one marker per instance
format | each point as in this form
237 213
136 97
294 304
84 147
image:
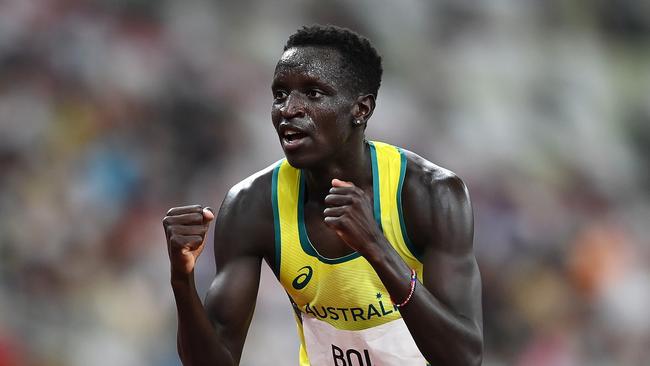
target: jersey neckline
305 242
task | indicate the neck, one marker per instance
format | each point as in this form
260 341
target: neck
351 165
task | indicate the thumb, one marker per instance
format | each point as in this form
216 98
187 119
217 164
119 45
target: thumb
341 183
208 214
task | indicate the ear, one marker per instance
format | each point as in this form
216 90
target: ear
363 107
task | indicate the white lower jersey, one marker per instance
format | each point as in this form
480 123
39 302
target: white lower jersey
388 344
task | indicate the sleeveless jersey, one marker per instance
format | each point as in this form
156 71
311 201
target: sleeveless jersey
343 312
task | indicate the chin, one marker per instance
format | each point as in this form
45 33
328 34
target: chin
297 162
302 161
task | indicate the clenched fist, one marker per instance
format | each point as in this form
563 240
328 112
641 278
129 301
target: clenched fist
185 229
349 212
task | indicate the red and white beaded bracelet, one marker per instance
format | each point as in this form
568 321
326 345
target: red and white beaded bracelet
414 278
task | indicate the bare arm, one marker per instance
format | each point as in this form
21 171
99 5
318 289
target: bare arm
215 334
444 314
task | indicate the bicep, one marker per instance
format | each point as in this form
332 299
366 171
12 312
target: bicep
444 229
455 281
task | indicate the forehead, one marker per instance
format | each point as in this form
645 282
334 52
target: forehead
316 62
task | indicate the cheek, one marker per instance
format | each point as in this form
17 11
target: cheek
337 130
343 120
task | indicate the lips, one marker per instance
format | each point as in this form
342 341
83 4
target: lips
292 137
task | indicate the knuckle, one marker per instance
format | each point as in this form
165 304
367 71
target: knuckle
165 220
336 222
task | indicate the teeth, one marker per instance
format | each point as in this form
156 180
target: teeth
290 133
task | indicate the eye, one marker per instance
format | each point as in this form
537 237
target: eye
314 93
279 94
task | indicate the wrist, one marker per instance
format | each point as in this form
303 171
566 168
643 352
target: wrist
182 280
377 252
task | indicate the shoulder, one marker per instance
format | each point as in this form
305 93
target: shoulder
246 216
432 179
252 193
436 203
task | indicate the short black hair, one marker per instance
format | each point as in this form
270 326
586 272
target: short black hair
359 57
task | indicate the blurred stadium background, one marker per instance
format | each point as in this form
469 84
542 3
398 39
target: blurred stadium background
113 111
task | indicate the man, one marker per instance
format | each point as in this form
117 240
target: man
372 243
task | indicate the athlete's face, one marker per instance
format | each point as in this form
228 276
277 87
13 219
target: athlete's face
312 106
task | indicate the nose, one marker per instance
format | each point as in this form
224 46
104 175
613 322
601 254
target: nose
293 107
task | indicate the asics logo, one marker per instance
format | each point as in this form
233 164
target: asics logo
303 278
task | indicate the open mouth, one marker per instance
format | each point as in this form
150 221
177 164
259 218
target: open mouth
293 136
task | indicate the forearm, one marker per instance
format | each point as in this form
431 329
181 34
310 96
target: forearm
442 335
198 343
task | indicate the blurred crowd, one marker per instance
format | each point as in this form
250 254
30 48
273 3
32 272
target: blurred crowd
113 111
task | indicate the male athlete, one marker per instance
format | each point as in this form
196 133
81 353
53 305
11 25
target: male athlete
372 243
